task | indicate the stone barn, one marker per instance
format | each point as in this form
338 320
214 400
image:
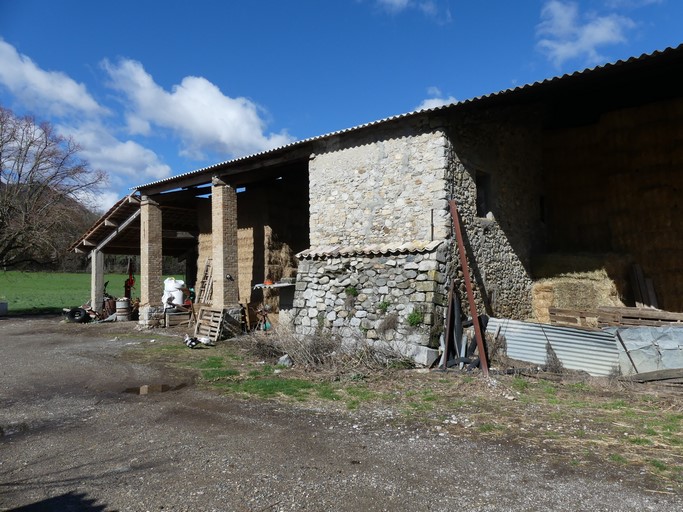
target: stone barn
561 186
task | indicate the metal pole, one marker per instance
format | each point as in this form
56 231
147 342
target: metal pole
468 287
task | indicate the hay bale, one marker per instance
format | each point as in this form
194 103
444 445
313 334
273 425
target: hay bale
542 299
578 281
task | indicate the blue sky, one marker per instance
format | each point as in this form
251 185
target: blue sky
150 89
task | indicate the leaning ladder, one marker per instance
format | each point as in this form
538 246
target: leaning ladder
205 291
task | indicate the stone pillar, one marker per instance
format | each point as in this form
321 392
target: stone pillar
151 285
96 280
224 241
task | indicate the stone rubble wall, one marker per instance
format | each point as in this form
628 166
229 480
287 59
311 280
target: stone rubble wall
371 297
386 186
504 145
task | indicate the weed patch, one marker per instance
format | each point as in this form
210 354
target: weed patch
271 387
219 374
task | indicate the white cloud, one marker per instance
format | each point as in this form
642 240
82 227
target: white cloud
630 4
394 5
56 97
195 110
99 201
438 10
564 34
123 160
50 91
436 100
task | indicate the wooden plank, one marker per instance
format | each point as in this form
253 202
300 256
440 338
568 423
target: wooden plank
676 373
557 319
635 285
643 313
175 319
651 292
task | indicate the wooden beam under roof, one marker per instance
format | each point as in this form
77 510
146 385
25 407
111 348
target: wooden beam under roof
237 173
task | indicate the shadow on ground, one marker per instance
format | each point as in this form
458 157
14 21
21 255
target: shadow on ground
68 502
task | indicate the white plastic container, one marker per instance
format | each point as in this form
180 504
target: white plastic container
173 288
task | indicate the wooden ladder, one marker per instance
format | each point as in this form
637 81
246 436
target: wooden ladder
205 291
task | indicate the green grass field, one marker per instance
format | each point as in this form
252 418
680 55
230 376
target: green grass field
45 292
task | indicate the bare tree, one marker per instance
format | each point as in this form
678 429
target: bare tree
42 183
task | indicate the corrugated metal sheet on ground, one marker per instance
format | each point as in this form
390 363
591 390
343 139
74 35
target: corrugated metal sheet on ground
592 351
650 348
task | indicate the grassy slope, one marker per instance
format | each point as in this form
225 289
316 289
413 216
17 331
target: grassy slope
29 292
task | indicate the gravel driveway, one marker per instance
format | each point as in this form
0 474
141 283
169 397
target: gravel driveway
72 439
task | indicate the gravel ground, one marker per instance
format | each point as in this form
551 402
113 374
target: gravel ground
72 439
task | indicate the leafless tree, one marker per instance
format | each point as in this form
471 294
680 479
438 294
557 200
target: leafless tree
42 184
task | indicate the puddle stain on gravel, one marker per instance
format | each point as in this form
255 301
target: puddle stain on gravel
148 389
12 429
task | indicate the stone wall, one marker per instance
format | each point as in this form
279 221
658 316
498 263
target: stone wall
502 145
397 298
372 191
382 186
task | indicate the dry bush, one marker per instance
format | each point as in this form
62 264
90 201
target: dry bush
311 351
497 350
389 323
361 354
326 353
552 362
261 346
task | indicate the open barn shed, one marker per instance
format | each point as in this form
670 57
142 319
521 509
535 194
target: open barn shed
563 187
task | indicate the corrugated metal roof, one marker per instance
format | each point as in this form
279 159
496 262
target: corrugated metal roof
593 351
367 250
499 94
119 212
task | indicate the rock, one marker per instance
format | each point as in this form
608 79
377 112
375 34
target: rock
285 361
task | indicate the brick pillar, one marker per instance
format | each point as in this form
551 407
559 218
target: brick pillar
96 280
151 285
224 240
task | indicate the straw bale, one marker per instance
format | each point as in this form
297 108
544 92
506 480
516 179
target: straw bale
578 281
205 251
245 263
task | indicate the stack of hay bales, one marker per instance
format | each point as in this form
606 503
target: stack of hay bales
578 281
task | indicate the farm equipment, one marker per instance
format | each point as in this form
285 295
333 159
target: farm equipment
86 313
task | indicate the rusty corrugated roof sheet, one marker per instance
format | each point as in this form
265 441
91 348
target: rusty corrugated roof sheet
577 75
330 251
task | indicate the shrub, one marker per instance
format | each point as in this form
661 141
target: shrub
383 306
415 317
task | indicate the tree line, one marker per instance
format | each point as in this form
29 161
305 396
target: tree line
44 191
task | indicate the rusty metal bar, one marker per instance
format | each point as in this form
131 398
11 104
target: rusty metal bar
468 287
447 333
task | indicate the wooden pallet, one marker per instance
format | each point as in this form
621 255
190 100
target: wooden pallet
573 317
606 316
637 316
209 323
175 319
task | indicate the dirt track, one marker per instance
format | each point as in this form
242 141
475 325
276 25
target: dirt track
73 440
